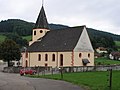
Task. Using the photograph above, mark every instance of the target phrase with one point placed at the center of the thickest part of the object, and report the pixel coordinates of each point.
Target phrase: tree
(0, 52)
(17, 39)
(9, 51)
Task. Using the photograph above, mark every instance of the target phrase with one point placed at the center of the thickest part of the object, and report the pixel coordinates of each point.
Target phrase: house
(97, 55)
(114, 55)
(101, 50)
(58, 48)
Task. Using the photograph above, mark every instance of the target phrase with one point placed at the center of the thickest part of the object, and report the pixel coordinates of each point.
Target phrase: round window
(41, 31)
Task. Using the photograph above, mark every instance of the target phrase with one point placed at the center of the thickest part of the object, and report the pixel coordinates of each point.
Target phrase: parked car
(27, 71)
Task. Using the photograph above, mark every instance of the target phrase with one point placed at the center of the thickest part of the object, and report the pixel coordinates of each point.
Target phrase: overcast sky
(98, 14)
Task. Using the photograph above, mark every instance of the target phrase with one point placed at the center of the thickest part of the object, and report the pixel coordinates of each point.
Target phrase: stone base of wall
(64, 69)
(11, 69)
(91, 68)
(17, 69)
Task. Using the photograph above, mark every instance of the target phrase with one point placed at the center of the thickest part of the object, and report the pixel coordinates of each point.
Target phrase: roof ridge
(71, 27)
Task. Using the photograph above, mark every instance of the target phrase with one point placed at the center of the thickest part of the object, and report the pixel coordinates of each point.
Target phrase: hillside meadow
(117, 43)
(2, 37)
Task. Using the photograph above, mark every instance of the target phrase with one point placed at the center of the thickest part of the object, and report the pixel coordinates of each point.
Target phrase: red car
(27, 71)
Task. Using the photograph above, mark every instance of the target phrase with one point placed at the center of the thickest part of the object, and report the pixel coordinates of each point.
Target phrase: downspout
(72, 62)
(22, 59)
(57, 60)
(29, 59)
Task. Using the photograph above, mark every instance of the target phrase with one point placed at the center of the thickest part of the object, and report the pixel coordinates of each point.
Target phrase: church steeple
(41, 27)
(41, 22)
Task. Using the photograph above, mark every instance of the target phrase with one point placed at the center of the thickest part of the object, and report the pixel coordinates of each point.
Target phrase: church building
(58, 48)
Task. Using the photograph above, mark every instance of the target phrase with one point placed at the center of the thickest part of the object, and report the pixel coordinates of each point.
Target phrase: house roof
(58, 40)
(102, 49)
(115, 54)
(41, 20)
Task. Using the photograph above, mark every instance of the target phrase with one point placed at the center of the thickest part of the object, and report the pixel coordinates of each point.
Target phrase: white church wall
(84, 44)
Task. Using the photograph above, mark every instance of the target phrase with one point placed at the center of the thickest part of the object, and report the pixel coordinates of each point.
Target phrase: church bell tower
(41, 26)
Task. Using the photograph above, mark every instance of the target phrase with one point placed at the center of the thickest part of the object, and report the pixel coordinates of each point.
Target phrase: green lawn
(28, 38)
(106, 61)
(89, 80)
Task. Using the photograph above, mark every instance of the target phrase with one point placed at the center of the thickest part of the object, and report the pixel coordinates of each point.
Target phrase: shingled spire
(41, 20)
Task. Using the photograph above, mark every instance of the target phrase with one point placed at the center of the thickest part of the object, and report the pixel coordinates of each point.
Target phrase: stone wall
(90, 68)
(64, 69)
(17, 69)
(11, 69)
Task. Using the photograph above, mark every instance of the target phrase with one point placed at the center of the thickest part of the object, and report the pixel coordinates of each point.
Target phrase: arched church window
(46, 57)
(61, 59)
(39, 57)
(34, 32)
(89, 55)
(80, 55)
(53, 57)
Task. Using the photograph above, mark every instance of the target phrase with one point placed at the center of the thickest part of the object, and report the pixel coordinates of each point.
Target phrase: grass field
(117, 43)
(89, 80)
(106, 61)
(2, 38)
